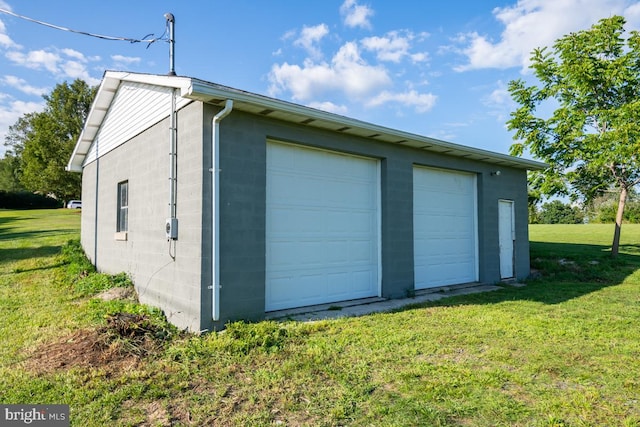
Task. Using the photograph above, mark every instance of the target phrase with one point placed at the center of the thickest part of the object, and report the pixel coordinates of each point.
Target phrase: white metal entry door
(444, 227)
(322, 227)
(506, 237)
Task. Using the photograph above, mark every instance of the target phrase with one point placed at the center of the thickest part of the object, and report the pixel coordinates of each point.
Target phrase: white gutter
(215, 202)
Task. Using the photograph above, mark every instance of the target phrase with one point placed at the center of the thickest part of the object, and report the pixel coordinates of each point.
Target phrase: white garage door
(444, 227)
(322, 227)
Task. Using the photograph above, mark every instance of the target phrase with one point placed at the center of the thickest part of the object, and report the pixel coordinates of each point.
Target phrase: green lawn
(562, 351)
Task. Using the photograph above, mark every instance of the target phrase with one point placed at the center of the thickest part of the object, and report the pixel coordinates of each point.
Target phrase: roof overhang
(282, 110)
(106, 92)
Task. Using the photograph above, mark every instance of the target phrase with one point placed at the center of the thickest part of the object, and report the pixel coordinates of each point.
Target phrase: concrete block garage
(224, 205)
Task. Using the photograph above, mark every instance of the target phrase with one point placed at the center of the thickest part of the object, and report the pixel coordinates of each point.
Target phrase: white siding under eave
(135, 107)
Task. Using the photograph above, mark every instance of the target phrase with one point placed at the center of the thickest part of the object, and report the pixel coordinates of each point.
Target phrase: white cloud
(36, 59)
(422, 102)
(499, 102)
(54, 63)
(71, 53)
(420, 57)
(11, 112)
(329, 106)
(21, 85)
(499, 96)
(632, 14)
(393, 47)
(348, 76)
(356, 15)
(347, 73)
(443, 135)
(5, 40)
(310, 36)
(127, 60)
(536, 23)
(76, 70)
(390, 48)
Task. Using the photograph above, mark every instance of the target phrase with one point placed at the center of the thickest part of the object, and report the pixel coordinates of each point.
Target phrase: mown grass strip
(561, 351)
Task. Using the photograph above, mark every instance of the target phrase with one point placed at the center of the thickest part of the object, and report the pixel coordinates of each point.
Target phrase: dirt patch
(117, 347)
(86, 348)
(156, 413)
(118, 293)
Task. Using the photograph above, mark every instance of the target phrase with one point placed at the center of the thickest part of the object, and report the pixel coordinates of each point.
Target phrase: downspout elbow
(228, 107)
(215, 202)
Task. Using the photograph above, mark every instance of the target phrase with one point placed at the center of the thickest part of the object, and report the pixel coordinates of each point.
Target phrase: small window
(123, 206)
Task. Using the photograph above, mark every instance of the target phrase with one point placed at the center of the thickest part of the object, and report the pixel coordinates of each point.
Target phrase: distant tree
(556, 212)
(10, 173)
(533, 200)
(603, 209)
(44, 141)
(11, 164)
(18, 134)
(592, 139)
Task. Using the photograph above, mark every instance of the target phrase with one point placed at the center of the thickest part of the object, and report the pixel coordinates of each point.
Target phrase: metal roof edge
(200, 88)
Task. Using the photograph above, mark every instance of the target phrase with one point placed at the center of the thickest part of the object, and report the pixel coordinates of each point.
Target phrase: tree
(534, 198)
(44, 141)
(11, 164)
(591, 141)
(10, 174)
(603, 208)
(556, 212)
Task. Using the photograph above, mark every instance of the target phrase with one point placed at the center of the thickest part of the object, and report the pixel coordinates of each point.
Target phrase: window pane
(124, 197)
(124, 219)
(123, 207)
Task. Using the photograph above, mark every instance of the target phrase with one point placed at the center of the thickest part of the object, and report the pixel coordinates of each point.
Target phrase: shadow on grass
(28, 270)
(564, 271)
(7, 235)
(18, 254)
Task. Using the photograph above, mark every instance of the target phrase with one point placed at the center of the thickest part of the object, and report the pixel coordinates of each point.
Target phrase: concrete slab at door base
(366, 306)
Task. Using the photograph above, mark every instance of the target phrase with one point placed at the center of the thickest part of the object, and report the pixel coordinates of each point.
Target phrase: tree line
(602, 210)
(40, 144)
(590, 141)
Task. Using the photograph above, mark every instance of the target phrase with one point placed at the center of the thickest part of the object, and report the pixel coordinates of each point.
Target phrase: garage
(444, 227)
(322, 227)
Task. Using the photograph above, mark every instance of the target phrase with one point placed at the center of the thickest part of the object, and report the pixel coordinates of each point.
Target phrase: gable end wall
(174, 285)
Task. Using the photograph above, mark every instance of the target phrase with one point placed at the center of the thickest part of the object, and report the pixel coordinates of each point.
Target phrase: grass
(562, 351)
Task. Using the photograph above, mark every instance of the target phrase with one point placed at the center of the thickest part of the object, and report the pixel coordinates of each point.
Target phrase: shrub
(26, 200)
(606, 212)
(556, 212)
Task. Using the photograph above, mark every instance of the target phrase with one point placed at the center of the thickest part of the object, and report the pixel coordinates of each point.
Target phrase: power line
(145, 39)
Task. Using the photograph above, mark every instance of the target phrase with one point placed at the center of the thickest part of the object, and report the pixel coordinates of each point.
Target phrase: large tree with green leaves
(44, 141)
(589, 82)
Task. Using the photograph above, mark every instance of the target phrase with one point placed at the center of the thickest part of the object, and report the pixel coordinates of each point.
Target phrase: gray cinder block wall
(181, 287)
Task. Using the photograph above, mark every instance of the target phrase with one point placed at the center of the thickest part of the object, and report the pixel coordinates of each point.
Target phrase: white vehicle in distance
(74, 204)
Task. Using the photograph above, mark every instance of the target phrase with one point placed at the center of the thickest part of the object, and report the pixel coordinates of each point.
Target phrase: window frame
(122, 214)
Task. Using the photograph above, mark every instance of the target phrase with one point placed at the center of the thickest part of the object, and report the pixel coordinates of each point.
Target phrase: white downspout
(215, 212)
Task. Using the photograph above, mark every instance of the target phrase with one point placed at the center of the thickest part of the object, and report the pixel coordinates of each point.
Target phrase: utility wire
(145, 39)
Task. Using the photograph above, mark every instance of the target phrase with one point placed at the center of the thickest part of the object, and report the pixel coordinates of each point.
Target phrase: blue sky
(435, 68)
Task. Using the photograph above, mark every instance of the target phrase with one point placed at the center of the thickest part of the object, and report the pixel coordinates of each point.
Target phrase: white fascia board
(106, 92)
(200, 89)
